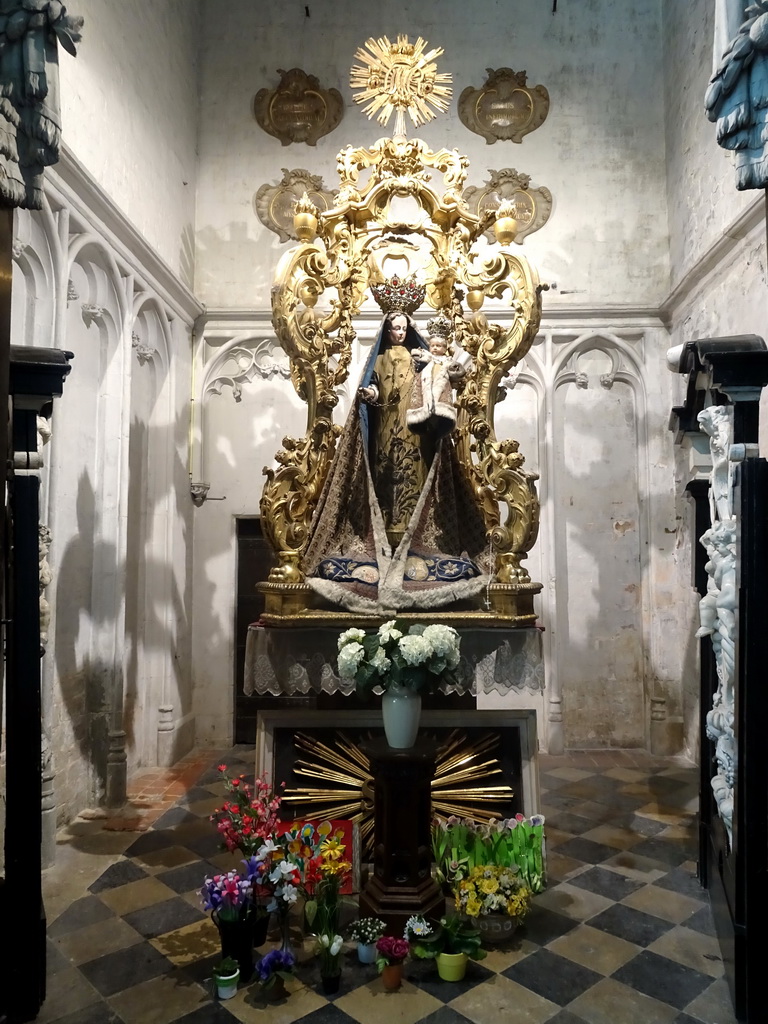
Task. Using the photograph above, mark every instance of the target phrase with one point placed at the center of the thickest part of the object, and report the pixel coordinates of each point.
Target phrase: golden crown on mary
(399, 294)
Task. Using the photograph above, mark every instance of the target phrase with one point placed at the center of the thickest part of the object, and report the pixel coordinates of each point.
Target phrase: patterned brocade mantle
(299, 661)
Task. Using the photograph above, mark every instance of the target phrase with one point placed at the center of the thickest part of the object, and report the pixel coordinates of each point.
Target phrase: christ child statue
(432, 410)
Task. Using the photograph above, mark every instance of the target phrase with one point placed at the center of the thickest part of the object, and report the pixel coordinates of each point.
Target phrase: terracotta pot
(392, 977)
(452, 966)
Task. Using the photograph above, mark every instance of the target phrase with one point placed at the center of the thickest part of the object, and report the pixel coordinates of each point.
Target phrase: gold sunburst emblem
(400, 77)
(346, 791)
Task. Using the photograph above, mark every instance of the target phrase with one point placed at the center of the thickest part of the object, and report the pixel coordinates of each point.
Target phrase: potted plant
(390, 955)
(226, 975)
(274, 969)
(404, 662)
(365, 933)
(229, 897)
(325, 874)
(450, 943)
(328, 948)
(460, 844)
(495, 898)
(245, 819)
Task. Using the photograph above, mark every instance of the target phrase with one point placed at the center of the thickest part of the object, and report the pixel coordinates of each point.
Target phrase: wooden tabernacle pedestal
(401, 882)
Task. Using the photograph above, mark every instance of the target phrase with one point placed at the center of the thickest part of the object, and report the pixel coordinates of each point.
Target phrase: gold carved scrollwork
(320, 287)
(531, 205)
(274, 204)
(290, 494)
(496, 466)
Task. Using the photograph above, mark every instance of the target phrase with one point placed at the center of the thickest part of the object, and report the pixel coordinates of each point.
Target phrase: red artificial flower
(395, 950)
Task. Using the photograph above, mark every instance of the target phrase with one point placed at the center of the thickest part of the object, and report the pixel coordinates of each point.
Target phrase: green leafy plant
(459, 845)
(226, 967)
(417, 658)
(452, 935)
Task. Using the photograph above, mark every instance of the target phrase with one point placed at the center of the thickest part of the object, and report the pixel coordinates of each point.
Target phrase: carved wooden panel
(298, 109)
(504, 107)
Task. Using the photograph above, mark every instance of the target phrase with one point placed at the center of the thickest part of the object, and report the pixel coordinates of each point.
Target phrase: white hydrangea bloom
(351, 636)
(445, 641)
(388, 632)
(380, 661)
(349, 660)
(415, 649)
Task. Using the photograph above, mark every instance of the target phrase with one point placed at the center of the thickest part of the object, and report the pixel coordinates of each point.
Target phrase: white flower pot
(226, 987)
(401, 710)
(366, 952)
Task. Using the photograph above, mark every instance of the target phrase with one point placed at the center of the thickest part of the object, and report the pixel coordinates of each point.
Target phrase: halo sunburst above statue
(400, 76)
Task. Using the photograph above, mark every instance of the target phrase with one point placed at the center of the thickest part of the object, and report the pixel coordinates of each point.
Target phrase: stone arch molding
(622, 358)
(82, 267)
(229, 356)
(241, 360)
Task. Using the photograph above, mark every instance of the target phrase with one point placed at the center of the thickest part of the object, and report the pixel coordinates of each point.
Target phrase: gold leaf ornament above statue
(400, 76)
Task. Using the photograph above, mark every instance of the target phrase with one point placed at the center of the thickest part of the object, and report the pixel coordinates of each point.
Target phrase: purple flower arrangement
(277, 964)
(229, 895)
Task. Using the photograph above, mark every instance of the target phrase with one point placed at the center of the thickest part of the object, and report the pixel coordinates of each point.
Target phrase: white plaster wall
(701, 194)
(717, 271)
(601, 150)
(129, 104)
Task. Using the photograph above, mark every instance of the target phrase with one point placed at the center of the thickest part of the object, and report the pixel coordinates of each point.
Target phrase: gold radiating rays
(400, 77)
(344, 787)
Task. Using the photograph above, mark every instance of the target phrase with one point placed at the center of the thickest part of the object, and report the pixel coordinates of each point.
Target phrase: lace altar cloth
(299, 661)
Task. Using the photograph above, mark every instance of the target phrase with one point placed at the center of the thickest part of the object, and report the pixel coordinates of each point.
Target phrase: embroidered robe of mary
(396, 526)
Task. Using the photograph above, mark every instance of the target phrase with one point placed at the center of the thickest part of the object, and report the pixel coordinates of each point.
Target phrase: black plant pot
(237, 941)
(330, 983)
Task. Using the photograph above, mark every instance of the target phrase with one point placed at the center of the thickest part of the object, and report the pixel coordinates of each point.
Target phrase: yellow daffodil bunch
(491, 889)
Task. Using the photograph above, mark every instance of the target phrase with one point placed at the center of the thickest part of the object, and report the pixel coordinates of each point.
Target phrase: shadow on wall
(234, 259)
(112, 675)
(87, 682)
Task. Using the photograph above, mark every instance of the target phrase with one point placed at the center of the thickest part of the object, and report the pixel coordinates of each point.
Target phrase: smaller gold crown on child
(399, 294)
(440, 326)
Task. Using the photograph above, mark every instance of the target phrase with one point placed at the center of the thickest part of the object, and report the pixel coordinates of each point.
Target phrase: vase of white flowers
(365, 932)
(403, 662)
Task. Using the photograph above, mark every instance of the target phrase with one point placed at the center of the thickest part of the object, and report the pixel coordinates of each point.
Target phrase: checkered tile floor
(623, 934)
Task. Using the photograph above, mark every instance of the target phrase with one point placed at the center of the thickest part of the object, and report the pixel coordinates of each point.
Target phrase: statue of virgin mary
(396, 526)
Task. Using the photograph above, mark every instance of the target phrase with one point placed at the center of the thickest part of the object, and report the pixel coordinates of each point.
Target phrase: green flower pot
(452, 966)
